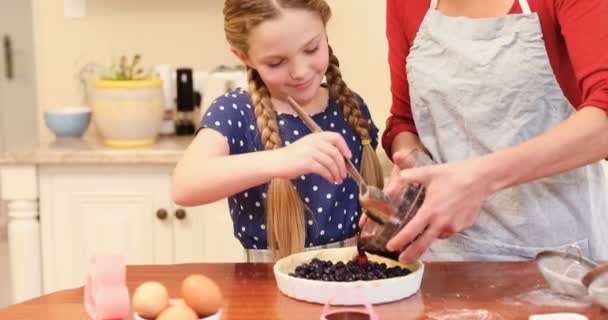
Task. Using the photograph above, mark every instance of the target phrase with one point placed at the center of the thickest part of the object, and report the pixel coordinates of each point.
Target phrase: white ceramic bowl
(127, 113)
(215, 316)
(374, 291)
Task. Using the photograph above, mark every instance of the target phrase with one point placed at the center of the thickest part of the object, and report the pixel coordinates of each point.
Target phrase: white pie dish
(372, 291)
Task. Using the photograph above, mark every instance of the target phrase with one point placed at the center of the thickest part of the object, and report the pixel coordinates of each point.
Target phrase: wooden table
(251, 293)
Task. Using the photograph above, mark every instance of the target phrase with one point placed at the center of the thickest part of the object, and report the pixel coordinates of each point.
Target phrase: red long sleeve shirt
(576, 38)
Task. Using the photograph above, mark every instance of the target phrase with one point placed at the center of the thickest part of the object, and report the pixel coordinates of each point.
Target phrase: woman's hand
(321, 153)
(394, 188)
(454, 194)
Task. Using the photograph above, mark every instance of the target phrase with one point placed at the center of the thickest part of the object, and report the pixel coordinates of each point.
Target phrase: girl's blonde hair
(285, 212)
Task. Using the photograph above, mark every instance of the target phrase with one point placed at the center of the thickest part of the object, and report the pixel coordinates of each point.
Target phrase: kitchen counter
(91, 150)
(498, 290)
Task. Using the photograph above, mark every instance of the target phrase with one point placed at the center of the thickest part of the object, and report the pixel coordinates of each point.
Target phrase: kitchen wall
(181, 33)
(357, 35)
(188, 33)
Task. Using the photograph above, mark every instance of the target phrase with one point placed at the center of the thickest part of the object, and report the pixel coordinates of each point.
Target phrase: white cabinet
(127, 210)
(206, 235)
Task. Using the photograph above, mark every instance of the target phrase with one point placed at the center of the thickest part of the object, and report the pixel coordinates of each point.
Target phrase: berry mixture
(344, 272)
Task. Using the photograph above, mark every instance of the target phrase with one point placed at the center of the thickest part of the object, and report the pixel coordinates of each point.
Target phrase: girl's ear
(242, 56)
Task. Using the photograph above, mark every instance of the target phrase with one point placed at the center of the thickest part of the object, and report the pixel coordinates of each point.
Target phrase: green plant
(126, 70)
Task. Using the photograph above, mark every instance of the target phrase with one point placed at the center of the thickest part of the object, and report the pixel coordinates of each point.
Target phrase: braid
(285, 229)
(265, 115)
(370, 165)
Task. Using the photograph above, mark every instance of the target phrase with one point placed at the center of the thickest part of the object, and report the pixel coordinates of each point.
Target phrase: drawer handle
(161, 214)
(7, 48)
(180, 214)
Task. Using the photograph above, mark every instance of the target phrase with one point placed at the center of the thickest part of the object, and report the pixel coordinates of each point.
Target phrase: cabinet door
(86, 211)
(206, 235)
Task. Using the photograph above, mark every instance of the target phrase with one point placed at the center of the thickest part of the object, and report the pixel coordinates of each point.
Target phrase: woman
(514, 109)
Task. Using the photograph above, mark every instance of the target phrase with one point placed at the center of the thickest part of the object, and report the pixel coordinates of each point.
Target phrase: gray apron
(481, 85)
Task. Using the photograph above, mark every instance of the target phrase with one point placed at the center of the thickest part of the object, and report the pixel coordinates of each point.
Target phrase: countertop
(496, 290)
(91, 150)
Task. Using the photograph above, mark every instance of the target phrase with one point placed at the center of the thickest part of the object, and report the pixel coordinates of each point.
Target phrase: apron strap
(525, 7)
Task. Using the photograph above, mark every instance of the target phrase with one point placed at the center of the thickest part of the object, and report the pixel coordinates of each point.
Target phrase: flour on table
(547, 297)
(463, 314)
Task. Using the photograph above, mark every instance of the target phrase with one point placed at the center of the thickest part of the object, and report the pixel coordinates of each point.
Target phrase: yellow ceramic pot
(127, 113)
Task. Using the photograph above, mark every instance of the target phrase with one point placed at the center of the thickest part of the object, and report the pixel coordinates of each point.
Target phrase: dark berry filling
(348, 315)
(344, 272)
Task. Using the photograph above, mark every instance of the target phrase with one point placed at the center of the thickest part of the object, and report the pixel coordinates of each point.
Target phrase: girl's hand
(454, 194)
(321, 153)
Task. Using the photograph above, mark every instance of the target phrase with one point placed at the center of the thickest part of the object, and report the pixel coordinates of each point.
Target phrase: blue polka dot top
(332, 211)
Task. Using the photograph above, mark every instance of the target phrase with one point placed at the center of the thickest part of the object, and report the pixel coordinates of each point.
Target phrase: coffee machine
(187, 100)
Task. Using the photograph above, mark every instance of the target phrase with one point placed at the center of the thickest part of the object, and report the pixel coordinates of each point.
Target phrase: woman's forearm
(580, 140)
(405, 142)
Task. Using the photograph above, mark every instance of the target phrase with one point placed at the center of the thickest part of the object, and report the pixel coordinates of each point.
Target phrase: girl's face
(291, 54)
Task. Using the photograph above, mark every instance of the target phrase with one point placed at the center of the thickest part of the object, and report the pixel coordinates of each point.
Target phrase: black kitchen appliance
(187, 101)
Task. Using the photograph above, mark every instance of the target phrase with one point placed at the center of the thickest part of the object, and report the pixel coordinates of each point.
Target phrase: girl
(511, 98)
(287, 188)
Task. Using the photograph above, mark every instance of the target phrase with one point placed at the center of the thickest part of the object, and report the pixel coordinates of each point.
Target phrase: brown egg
(178, 311)
(150, 299)
(201, 294)
(178, 302)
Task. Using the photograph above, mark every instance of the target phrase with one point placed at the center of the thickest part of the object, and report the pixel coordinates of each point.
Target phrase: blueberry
(354, 270)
